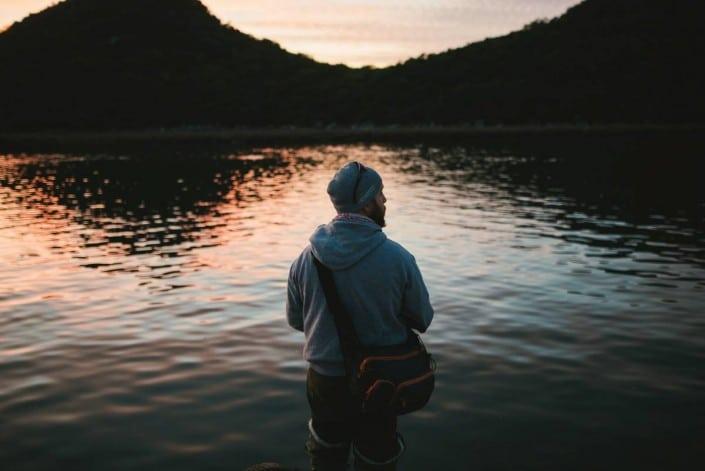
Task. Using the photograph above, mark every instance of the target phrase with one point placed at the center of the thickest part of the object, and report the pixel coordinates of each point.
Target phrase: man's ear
(368, 208)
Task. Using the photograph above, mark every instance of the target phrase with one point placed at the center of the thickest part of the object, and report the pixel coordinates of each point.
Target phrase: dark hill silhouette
(602, 61)
(105, 64)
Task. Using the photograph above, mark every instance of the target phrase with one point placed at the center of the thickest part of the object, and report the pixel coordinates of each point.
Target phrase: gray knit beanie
(353, 186)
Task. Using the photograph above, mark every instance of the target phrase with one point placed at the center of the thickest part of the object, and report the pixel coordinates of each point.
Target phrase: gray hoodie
(378, 282)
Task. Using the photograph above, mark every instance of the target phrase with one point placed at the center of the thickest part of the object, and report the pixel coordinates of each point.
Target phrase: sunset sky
(361, 32)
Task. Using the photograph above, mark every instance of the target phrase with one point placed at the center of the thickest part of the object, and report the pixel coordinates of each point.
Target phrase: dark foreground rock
(270, 467)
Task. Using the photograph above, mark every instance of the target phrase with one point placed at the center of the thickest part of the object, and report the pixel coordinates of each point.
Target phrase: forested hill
(602, 61)
(105, 64)
(137, 63)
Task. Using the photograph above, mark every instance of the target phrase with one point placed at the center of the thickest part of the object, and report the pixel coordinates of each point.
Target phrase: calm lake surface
(142, 303)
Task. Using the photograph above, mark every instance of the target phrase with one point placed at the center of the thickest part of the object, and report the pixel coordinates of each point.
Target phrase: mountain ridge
(140, 63)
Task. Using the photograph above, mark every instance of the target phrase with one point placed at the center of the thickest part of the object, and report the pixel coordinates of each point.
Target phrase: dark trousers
(337, 422)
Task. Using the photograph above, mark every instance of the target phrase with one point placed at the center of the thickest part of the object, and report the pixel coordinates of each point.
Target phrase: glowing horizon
(360, 32)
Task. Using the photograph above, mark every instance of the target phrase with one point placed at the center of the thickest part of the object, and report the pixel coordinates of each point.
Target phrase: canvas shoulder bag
(396, 378)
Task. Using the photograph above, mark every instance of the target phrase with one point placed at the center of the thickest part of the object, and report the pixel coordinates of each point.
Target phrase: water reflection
(144, 291)
(163, 204)
(621, 200)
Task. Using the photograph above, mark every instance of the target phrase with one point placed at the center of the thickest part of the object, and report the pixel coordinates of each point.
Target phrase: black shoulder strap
(349, 342)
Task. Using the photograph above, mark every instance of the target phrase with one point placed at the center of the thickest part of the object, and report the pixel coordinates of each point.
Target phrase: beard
(377, 215)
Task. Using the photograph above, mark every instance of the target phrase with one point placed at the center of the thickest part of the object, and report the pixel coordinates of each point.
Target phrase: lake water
(142, 303)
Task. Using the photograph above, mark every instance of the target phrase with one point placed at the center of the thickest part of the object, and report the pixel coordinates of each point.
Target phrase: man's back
(378, 282)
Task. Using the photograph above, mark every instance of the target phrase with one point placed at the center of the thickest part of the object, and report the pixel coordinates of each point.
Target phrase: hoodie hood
(345, 240)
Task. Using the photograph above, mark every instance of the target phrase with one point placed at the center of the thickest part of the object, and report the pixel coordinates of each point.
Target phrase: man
(381, 288)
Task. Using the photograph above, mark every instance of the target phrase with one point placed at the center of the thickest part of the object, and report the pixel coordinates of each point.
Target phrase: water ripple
(142, 296)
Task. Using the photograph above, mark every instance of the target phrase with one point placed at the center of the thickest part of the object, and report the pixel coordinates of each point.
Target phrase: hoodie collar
(345, 240)
(354, 217)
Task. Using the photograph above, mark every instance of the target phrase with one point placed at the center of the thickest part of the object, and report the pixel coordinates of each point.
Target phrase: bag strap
(349, 341)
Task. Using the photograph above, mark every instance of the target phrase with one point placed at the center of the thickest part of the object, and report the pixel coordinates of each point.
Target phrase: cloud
(338, 30)
(15, 10)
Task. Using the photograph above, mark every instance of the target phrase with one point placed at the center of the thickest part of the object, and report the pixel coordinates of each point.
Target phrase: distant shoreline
(331, 134)
(340, 131)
